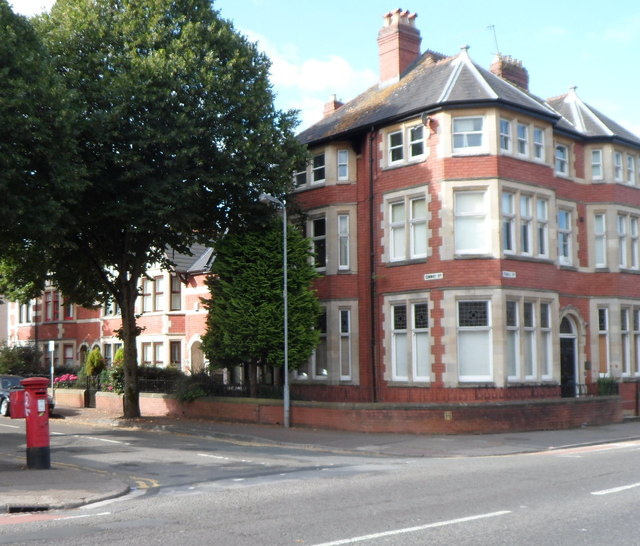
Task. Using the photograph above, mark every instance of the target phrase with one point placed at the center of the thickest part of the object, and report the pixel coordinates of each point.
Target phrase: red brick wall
(409, 419)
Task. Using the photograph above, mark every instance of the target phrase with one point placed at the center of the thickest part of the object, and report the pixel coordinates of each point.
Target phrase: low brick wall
(69, 398)
(511, 416)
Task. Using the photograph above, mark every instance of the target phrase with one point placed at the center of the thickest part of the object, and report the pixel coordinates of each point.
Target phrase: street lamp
(266, 198)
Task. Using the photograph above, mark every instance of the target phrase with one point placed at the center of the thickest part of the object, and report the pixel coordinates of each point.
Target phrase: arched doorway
(568, 358)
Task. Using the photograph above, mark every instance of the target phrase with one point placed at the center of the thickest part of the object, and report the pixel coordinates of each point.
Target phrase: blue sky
(320, 48)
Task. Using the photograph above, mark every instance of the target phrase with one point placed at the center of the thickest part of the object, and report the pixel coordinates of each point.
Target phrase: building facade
(475, 242)
(172, 319)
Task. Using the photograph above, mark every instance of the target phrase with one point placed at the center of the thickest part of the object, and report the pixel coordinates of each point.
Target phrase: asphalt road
(191, 491)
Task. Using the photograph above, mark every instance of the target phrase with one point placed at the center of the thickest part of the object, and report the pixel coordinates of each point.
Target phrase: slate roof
(199, 262)
(434, 82)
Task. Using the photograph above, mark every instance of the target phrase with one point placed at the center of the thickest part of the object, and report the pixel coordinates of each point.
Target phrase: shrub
(65, 381)
(95, 363)
(20, 360)
(112, 380)
(118, 358)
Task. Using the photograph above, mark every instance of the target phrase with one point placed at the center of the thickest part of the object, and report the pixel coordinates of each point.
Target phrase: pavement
(63, 486)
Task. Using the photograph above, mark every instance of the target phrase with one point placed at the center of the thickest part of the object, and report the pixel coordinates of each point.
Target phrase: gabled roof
(199, 261)
(588, 121)
(434, 82)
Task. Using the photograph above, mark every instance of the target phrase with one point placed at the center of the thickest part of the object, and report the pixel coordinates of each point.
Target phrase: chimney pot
(398, 44)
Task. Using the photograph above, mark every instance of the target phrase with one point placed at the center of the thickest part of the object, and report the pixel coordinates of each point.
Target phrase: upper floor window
(343, 164)
(406, 144)
(471, 229)
(617, 166)
(538, 143)
(24, 313)
(562, 160)
(523, 139)
(300, 178)
(600, 233)
(622, 240)
(564, 237)
(530, 221)
(345, 344)
(153, 294)
(467, 134)
(319, 240)
(343, 241)
(318, 169)
(505, 135)
(408, 229)
(176, 293)
(631, 170)
(596, 165)
(635, 245)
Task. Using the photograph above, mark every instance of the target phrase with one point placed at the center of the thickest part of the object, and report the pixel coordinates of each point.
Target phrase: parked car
(10, 383)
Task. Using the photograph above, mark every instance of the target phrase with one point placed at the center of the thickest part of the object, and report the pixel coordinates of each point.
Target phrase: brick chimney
(510, 69)
(398, 44)
(331, 106)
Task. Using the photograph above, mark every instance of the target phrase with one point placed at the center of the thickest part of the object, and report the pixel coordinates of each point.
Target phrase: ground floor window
(474, 341)
(410, 346)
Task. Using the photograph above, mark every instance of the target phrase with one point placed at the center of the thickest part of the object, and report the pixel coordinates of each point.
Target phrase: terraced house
(476, 242)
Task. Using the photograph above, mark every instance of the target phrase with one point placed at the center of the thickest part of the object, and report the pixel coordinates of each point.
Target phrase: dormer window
(467, 134)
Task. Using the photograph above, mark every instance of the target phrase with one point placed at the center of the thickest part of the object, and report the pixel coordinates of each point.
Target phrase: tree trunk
(252, 378)
(129, 337)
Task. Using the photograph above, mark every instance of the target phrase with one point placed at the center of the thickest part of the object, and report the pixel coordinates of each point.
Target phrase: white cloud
(307, 84)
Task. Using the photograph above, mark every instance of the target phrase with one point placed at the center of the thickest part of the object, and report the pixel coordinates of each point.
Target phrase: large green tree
(177, 133)
(245, 310)
(39, 175)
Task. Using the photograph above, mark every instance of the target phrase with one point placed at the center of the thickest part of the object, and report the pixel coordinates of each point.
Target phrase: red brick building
(171, 315)
(476, 242)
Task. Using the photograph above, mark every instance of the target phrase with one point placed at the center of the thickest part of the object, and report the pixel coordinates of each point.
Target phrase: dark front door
(568, 366)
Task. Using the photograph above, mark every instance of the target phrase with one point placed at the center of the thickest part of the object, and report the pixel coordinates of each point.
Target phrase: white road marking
(615, 489)
(9, 426)
(374, 536)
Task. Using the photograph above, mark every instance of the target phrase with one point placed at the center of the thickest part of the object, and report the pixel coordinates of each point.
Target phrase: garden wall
(511, 416)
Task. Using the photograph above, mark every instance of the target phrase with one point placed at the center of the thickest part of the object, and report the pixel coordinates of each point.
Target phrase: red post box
(36, 412)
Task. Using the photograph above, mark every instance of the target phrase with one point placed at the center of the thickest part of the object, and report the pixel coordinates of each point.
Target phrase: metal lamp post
(266, 198)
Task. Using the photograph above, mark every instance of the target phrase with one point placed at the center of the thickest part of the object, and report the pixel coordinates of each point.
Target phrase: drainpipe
(372, 263)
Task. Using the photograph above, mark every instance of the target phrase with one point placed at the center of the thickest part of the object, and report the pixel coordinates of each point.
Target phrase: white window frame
(505, 135)
(565, 237)
(316, 239)
(621, 228)
(395, 148)
(542, 227)
(478, 218)
(464, 140)
(603, 336)
(617, 167)
(635, 243)
(625, 342)
(523, 139)
(411, 345)
(318, 169)
(513, 341)
(471, 332)
(600, 239)
(538, 143)
(343, 242)
(631, 170)
(546, 347)
(403, 233)
(508, 222)
(562, 159)
(342, 164)
(526, 225)
(597, 169)
(636, 341)
(415, 142)
(344, 329)
(530, 341)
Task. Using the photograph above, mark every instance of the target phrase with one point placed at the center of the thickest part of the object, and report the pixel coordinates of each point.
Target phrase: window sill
(406, 262)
